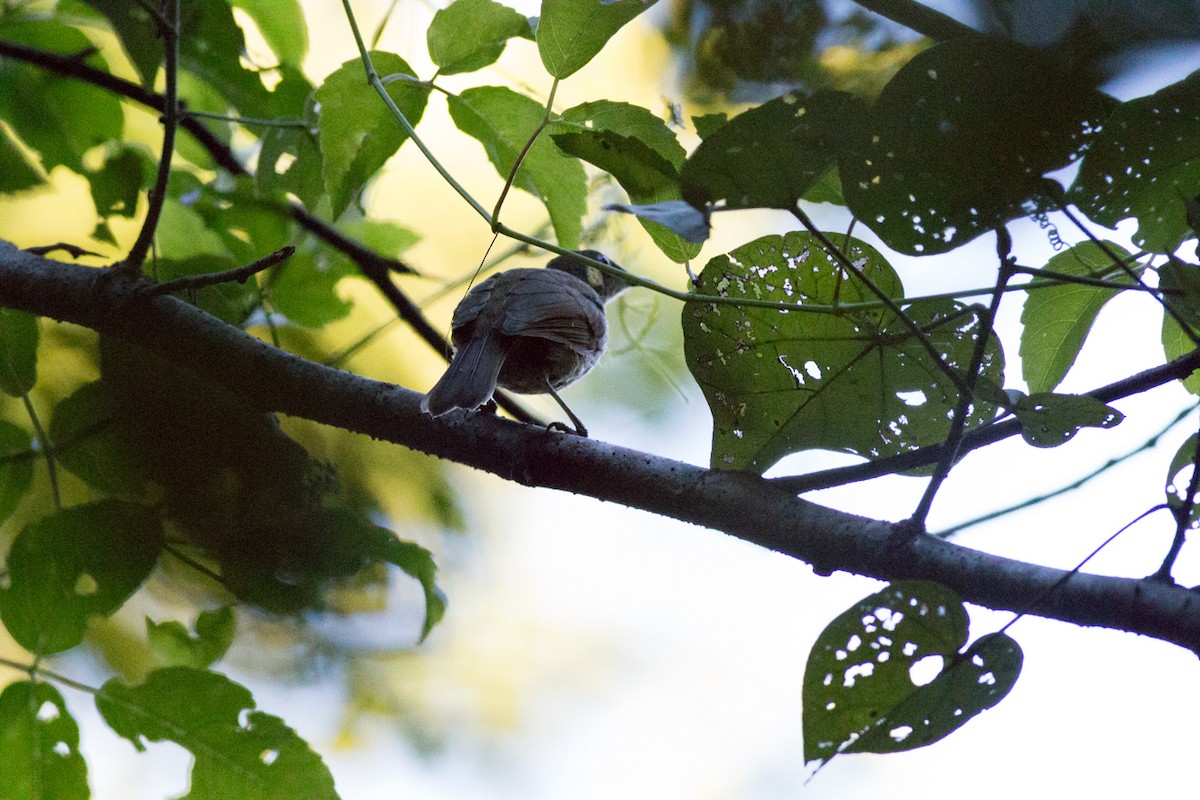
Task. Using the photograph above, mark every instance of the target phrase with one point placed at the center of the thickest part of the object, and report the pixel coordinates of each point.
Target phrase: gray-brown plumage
(530, 331)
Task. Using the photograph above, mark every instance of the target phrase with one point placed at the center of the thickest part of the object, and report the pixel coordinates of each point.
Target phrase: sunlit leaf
(282, 25)
(1048, 420)
(18, 351)
(470, 34)
(212, 48)
(959, 140)
(856, 381)
(1181, 284)
(571, 32)
(859, 669)
(138, 33)
(305, 289)
(174, 646)
(358, 132)
(16, 467)
(1056, 319)
(772, 155)
(78, 562)
(971, 683)
(39, 746)
(240, 753)
(1179, 475)
(1146, 164)
(502, 121)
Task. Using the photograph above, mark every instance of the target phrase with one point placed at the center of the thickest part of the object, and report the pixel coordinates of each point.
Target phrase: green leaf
(39, 746)
(470, 34)
(174, 646)
(827, 189)
(18, 351)
(640, 152)
(240, 753)
(358, 132)
(770, 156)
(1146, 164)
(16, 173)
(305, 289)
(282, 25)
(859, 668)
(116, 185)
(972, 683)
(1181, 283)
(211, 47)
(708, 124)
(290, 157)
(1056, 319)
(59, 118)
(137, 33)
(16, 467)
(416, 562)
(852, 381)
(386, 238)
(502, 121)
(571, 32)
(1179, 474)
(683, 219)
(78, 562)
(1048, 420)
(959, 140)
(92, 440)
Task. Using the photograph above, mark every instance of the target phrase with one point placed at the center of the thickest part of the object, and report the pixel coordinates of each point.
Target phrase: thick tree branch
(741, 505)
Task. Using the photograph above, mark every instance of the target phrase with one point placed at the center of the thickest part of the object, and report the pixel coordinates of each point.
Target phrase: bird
(531, 330)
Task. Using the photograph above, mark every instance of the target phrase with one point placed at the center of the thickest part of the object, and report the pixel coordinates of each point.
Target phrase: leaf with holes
(1181, 284)
(771, 156)
(852, 380)
(1048, 420)
(1146, 164)
(39, 745)
(959, 140)
(358, 132)
(571, 32)
(174, 646)
(78, 562)
(862, 664)
(470, 34)
(640, 152)
(240, 753)
(1056, 319)
(1179, 475)
(971, 683)
(502, 121)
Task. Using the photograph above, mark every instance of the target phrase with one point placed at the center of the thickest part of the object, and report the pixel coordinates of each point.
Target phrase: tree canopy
(162, 370)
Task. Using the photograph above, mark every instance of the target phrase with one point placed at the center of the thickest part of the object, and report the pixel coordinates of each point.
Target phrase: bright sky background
(595, 652)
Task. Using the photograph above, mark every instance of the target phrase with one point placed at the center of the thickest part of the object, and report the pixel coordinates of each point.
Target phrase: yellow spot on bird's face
(595, 277)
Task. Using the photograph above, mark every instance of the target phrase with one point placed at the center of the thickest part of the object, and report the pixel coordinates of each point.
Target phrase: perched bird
(531, 331)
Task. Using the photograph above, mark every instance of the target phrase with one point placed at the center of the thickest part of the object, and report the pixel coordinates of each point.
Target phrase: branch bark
(741, 505)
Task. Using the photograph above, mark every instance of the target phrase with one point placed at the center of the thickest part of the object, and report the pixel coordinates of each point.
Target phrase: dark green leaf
(282, 25)
(93, 440)
(75, 563)
(211, 47)
(770, 156)
(778, 382)
(502, 121)
(859, 668)
(1146, 164)
(640, 151)
(358, 132)
(470, 34)
(16, 173)
(827, 189)
(174, 646)
(138, 34)
(1181, 283)
(39, 746)
(1048, 420)
(417, 562)
(708, 124)
(59, 118)
(571, 32)
(959, 140)
(1179, 475)
(116, 185)
(972, 683)
(18, 351)
(1056, 319)
(16, 467)
(240, 753)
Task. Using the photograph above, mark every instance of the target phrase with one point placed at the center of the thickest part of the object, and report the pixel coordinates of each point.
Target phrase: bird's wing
(553, 305)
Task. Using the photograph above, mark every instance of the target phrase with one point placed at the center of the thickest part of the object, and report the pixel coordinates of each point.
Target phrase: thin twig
(1183, 519)
(47, 450)
(241, 275)
(170, 122)
(533, 137)
(270, 123)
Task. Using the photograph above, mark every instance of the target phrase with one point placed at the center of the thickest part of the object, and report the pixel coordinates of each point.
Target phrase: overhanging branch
(738, 504)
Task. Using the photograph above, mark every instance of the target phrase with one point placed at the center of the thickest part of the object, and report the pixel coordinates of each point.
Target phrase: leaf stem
(1183, 520)
(46, 448)
(35, 670)
(512, 174)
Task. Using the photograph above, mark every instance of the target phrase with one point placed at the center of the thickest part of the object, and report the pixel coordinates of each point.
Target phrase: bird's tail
(470, 379)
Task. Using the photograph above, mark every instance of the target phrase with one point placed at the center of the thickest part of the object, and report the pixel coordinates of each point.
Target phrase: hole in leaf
(268, 756)
(901, 732)
(924, 670)
(62, 748)
(48, 712)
